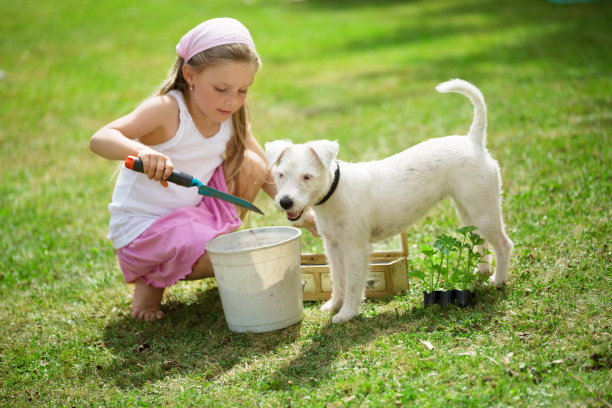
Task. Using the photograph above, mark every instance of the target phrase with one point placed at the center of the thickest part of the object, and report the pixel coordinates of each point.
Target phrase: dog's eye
(279, 175)
(307, 177)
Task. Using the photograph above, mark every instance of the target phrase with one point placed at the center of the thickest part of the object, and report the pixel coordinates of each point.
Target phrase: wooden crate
(387, 274)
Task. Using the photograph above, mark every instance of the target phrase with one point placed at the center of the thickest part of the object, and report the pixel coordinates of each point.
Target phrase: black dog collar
(333, 186)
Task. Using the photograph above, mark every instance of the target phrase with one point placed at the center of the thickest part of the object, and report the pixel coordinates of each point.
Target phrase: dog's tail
(478, 130)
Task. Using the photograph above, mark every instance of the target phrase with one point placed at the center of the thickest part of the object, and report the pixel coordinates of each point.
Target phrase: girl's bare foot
(147, 302)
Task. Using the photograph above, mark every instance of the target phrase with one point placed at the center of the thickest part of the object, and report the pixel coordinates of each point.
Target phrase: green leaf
(476, 239)
(446, 244)
(417, 273)
(465, 230)
(427, 250)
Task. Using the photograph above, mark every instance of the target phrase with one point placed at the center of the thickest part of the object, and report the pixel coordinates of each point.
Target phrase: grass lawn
(360, 72)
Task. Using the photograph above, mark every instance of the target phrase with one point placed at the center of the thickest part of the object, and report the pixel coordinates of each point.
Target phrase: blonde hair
(236, 147)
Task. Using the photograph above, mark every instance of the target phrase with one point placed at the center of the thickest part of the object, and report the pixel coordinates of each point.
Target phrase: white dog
(356, 204)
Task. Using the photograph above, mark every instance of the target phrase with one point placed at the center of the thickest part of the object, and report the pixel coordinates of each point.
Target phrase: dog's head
(303, 173)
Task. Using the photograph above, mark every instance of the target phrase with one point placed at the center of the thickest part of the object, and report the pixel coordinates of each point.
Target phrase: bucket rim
(297, 234)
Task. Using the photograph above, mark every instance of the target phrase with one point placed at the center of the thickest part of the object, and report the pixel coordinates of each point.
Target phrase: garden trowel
(185, 180)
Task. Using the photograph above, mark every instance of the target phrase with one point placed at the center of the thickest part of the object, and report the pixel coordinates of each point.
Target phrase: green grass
(362, 73)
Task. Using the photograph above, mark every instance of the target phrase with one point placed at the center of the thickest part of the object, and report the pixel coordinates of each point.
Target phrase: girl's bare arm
(153, 122)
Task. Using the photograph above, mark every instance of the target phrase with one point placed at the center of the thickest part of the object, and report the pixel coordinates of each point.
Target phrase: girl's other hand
(156, 166)
(310, 223)
(307, 221)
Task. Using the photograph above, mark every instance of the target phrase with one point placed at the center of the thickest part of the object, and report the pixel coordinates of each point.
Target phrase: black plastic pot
(464, 297)
(445, 297)
(461, 298)
(429, 298)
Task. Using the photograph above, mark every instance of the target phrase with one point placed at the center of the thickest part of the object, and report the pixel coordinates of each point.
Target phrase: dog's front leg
(356, 272)
(338, 276)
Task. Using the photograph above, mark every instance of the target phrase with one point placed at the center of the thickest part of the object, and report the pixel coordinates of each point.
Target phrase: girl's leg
(147, 302)
(201, 269)
(253, 177)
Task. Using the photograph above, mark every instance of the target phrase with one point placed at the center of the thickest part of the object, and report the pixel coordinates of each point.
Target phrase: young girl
(197, 124)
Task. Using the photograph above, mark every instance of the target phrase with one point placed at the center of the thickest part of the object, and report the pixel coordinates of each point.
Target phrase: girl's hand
(307, 221)
(156, 166)
(310, 223)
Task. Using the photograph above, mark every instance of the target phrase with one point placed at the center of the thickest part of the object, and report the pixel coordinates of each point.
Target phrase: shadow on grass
(568, 39)
(429, 22)
(347, 4)
(534, 39)
(193, 338)
(314, 363)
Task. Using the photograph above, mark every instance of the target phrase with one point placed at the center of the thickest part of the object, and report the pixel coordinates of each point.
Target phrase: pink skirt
(166, 252)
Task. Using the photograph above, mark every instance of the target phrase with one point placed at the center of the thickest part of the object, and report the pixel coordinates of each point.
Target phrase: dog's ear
(274, 151)
(325, 150)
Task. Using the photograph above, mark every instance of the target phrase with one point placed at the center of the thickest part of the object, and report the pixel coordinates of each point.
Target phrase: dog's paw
(483, 268)
(343, 317)
(331, 305)
(498, 281)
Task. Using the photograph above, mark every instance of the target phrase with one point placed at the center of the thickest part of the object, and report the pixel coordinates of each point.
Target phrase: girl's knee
(255, 164)
(201, 269)
(255, 174)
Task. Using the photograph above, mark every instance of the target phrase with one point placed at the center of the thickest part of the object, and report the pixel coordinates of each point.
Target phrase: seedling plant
(450, 263)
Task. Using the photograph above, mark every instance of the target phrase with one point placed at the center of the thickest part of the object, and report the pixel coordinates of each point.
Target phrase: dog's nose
(286, 203)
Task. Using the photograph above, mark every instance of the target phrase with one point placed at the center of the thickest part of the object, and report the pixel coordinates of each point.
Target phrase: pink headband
(211, 33)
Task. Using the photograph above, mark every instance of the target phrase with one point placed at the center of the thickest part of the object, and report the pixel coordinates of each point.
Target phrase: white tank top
(137, 201)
